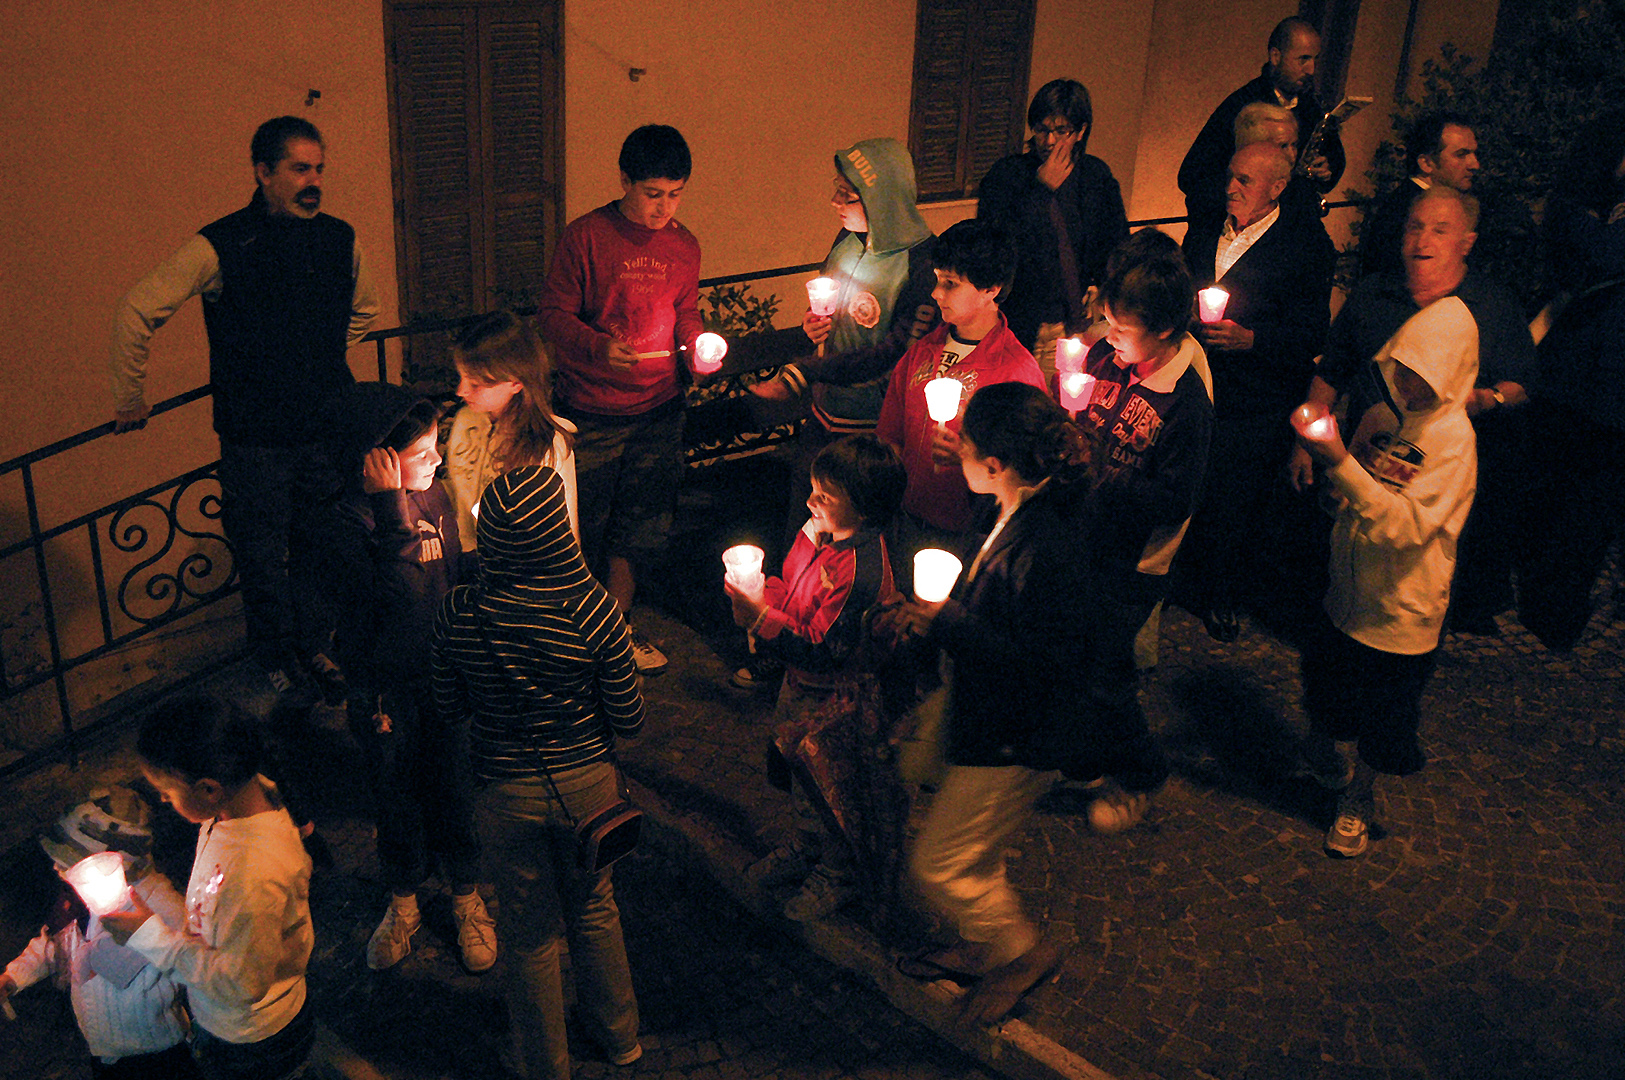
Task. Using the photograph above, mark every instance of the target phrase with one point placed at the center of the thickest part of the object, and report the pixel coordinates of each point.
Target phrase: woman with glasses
(1064, 208)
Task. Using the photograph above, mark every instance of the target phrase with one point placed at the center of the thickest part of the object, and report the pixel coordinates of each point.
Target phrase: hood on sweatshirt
(883, 173)
(354, 420)
(528, 554)
(1436, 344)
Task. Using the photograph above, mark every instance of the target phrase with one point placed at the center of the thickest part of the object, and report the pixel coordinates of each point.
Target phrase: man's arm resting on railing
(192, 270)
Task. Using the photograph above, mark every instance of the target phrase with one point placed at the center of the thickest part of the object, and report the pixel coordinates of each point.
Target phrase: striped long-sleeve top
(536, 656)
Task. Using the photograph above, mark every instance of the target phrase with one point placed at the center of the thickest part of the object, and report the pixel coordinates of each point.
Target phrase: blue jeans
(531, 847)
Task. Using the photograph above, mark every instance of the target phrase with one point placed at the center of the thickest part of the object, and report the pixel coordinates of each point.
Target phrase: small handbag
(611, 833)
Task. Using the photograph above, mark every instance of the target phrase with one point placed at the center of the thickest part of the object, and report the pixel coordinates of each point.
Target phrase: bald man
(1277, 269)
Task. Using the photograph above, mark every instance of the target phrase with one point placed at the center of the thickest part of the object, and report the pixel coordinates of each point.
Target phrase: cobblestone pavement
(1480, 936)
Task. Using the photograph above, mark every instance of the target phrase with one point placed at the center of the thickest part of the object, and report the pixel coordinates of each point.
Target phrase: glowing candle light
(99, 881)
(1210, 303)
(821, 296)
(1077, 391)
(744, 569)
(475, 510)
(709, 349)
(1069, 354)
(1313, 421)
(935, 572)
(942, 399)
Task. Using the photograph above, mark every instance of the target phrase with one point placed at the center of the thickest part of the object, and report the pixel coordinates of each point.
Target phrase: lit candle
(1313, 421)
(99, 881)
(743, 564)
(942, 399)
(475, 510)
(1210, 303)
(709, 349)
(935, 572)
(821, 296)
(1077, 391)
(1069, 354)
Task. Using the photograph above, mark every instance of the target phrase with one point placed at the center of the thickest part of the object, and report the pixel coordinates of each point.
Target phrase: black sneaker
(329, 679)
(759, 673)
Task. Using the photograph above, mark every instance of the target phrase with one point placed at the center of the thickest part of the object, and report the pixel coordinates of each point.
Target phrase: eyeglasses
(1060, 132)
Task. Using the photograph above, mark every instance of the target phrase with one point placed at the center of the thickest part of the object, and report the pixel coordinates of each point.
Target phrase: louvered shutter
(476, 107)
(971, 65)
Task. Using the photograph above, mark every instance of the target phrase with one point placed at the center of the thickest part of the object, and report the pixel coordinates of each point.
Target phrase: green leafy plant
(1525, 103)
(733, 312)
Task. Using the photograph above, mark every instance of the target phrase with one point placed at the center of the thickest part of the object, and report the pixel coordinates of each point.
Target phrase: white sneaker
(476, 932)
(392, 941)
(1349, 835)
(650, 660)
(627, 1057)
(1118, 811)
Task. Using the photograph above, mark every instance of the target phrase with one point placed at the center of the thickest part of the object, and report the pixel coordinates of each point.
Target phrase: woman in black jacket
(1016, 629)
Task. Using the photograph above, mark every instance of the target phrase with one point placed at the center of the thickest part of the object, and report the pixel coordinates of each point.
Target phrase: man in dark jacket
(1277, 269)
(284, 297)
(1288, 80)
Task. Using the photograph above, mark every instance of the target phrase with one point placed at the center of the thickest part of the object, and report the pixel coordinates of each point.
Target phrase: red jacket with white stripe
(814, 622)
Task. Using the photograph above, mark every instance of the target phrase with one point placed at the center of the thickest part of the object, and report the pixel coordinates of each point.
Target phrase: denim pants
(530, 847)
(263, 491)
(958, 861)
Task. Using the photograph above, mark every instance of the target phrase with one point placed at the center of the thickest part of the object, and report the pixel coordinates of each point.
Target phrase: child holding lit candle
(813, 619)
(128, 1011)
(1152, 415)
(1017, 628)
(246, 937)
(620, 306)
(974, 345)
(1405, 483)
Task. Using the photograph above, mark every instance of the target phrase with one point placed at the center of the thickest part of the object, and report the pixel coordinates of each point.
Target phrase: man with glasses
(1288, 80)
(1064, 208)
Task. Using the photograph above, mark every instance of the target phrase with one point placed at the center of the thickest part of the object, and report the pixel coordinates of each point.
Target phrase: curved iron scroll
(164, 587)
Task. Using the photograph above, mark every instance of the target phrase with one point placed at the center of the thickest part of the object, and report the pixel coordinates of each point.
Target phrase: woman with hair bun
(1016, 632)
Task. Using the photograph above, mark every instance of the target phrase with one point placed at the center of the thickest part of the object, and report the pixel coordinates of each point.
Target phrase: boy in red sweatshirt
(620, 306)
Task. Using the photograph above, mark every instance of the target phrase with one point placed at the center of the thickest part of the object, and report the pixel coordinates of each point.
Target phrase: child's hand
(8, 986)
(619, 354)
(816, 327)
(1317, 433)
(121, 924)
(747, 609)
(944, 446)
(381, 470)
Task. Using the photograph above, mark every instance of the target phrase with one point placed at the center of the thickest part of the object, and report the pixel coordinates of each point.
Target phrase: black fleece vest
(279, 329)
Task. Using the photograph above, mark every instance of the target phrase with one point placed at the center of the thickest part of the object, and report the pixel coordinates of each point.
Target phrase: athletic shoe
(476, 932)
(627, 1057)
(782, 866)
(329, 679)
(760, 673)
(1349, 835)
(392, 941)
(650, 660)
(1118, 811)
(821, 896)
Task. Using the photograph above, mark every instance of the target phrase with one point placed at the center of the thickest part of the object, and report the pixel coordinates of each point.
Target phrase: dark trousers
(1233, 532)
(1577, 509)
(263, 490)
(1489, 540)
(173, 1064)
(422, 790)
(1123, 747)
(272, 1058)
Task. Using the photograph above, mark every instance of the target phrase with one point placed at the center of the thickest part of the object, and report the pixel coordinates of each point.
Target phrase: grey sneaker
(781, 866)
(392, 941)
(627, 1057)
(1118, 811)
(1349, 835)
(823, 893)
(476, 932)
(650, 660)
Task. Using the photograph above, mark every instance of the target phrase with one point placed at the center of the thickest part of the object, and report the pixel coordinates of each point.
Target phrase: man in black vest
(284, 296)
(1288, 80)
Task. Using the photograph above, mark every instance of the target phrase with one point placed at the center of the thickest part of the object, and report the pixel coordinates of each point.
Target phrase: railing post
(58, 674)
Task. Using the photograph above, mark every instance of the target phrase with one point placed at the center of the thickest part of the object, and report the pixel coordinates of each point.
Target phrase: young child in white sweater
(246, 937)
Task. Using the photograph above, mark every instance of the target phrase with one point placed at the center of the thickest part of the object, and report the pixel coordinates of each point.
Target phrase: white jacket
(1406, 487)
(470, 469)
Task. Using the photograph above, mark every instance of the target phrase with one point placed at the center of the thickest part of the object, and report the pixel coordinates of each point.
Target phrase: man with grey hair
(1288, 80)
(1277, 269)
(1439, 234)
(1440, 148)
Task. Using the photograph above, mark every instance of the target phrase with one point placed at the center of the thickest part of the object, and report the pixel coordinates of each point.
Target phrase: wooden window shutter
(972, 60)
(476, 89)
